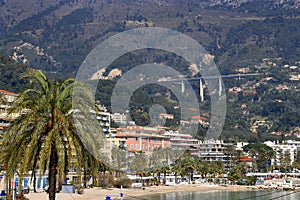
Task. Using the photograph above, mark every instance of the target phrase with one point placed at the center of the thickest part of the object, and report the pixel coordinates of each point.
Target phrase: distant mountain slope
(243, 36)
(57, 35)
(271, 4)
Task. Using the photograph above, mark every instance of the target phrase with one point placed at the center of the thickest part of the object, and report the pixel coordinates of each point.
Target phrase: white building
(215, 150)
(180, 141)
(119, 118)
(280, 149)
(293, 143)
(103, 116)
(240, 145)
(5, 119)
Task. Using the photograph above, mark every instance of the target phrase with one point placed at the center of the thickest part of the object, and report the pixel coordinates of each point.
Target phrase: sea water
(224, 195)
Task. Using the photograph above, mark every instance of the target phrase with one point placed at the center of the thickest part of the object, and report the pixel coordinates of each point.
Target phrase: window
(136, 147)
(131, 147)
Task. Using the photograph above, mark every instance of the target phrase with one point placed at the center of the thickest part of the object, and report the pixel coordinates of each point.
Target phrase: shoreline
(100, 194)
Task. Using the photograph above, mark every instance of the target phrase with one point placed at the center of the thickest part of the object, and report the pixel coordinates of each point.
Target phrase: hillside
(243, 35)
(11, 75)
(56, 36)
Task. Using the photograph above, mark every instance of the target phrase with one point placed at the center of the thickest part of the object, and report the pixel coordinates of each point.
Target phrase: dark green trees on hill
(10, 74)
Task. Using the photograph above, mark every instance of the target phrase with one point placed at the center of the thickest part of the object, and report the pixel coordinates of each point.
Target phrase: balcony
(5, 124)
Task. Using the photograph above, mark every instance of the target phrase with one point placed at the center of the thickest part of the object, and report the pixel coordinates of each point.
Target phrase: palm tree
(253, 155)
(160, 161)
(165, 169)
(45, 137)
(270, 154)
(168, 154)
(2, 98)
(139, 164)
(230, 153)
(238, 172)
(187, 164)
(285, 160)
(190, 167)
(2, 102)
(202, 168)
(177, 170)
(118, 160)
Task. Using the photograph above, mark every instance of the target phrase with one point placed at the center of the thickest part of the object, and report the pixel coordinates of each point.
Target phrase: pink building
(143, 139)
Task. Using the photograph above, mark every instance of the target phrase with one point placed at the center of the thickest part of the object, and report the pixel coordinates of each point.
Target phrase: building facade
(119, 118)
(103, 116)
(180, 141)
(142, 139)
(5, 104)
(215, 150)
(282, 149)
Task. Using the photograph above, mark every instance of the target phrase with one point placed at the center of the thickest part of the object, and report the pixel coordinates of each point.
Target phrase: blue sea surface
(224, 195)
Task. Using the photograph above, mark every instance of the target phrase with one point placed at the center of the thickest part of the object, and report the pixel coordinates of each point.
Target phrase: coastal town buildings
(200, 120)
(166, 116)
(248, 162)
(142, 139)
(104, 118)
(240, 145)
(119, 118)
(283, 151)
(215, 150)
(5, 119)
(180, 141)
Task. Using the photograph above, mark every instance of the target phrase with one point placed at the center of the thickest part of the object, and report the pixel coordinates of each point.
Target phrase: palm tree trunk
(158, 174)
(34, 181)
(84, 178)
(52, 172)
(191, 175)
(165, 177)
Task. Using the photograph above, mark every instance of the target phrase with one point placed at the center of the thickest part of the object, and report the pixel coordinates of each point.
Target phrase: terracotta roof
(245, 159)
(8, 93)
(199, 117)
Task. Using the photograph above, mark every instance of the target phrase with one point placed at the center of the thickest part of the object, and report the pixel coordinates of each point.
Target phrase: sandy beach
(100, 194)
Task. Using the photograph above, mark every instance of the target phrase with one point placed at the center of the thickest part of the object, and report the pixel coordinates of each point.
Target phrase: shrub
(106, 180)
(123, 181)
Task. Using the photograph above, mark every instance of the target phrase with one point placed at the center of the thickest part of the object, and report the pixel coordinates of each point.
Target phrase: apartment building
(143, 139)
(180, 141)
(103, 116)
(281, 149)
(5, 119)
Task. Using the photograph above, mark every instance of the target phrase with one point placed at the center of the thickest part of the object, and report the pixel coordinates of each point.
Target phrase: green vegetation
(44, 137)
(250, 42)
(242, 36)
(262, 155)
(10, 75)
(237, 37)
